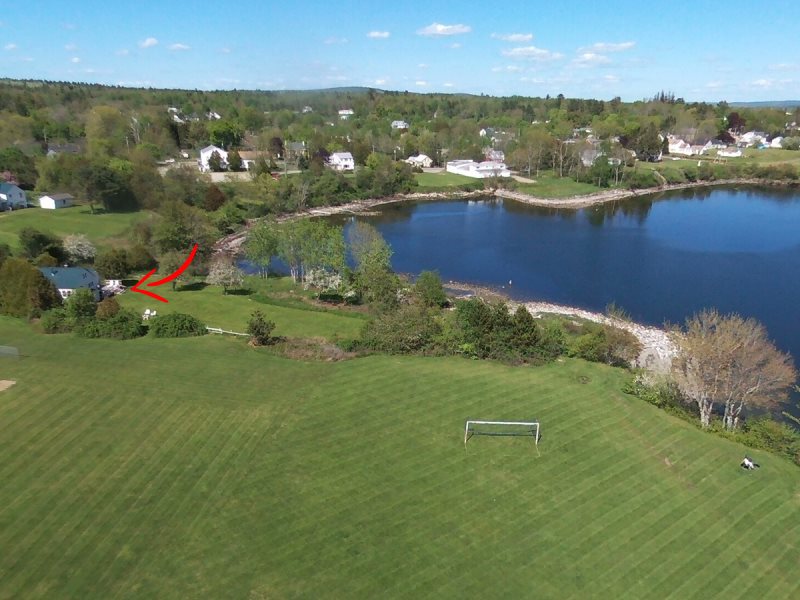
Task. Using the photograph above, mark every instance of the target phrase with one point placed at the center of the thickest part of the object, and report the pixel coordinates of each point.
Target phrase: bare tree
(729, 360)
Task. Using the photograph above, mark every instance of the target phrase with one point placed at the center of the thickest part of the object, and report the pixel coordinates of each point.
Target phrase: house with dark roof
(68, 279)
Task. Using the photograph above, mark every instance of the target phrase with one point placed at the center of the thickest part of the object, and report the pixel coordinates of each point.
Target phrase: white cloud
(513, 37)
(70, 47)
(591, 59)
(226, 50)
(438, 30)
(509, 68)
(335, 40)
(11, 46)
(180, 47)
(75, 60)
(28, 59)
(148, 43)
(532, 53)
(422, 66)
(380, 82)
(378, 35)
(608, 47)
(421, 83)
(448, 84)
(611, 78)
(122, 52)
(455, 45)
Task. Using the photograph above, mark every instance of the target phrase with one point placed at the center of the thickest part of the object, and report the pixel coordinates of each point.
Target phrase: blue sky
(701, 50)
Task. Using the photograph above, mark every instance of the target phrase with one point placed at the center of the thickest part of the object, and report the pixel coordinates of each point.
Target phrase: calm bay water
(661, 259)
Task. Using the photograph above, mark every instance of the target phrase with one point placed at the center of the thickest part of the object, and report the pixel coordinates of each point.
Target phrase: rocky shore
(658, 349)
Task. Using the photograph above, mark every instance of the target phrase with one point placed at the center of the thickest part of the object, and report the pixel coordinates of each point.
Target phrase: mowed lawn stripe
(246, 474)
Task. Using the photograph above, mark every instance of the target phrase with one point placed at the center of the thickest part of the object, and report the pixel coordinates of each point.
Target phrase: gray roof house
(68, 279)
(12, 196)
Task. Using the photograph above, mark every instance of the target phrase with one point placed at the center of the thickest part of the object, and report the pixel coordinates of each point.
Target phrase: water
(661, 259)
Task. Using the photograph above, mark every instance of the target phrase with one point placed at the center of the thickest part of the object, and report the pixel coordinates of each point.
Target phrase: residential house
(341, 161)
(481, 170)
(213, 116)
(249, 158)
(346, 113)
(54, 201)
(68, 279)
(776, 142)
(402, 125)
(206, 153)
(12, 197)
(679, 146)
(307, 109)
(422, 161)
(752, 138)
(294, 150)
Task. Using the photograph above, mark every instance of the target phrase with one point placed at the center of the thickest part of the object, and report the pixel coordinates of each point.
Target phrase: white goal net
(512, 428)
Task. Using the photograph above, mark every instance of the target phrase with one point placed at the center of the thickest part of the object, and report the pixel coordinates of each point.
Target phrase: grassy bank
(102, 229)
(204, 468)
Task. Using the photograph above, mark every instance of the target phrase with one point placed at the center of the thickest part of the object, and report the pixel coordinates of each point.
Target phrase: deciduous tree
(729, 360)
(224, 272)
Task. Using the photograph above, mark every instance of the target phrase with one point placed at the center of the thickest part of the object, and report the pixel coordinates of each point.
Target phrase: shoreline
(658, 349)
(584, 201)
(231, 244)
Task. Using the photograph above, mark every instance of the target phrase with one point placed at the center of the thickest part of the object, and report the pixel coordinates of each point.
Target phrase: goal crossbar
(534, 425)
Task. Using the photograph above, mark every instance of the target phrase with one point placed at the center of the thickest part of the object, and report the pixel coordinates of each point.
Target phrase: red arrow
(166, 279)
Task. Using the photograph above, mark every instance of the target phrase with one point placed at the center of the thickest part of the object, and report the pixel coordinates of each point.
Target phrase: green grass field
(440, 180)
(550, 186)
(203, 468)
(232, 311)
(105, 229)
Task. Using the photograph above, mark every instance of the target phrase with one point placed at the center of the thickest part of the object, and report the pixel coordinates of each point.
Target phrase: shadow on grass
(195, 286)
(239, 292)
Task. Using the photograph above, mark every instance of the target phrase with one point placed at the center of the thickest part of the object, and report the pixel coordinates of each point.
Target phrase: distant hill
(768, 104)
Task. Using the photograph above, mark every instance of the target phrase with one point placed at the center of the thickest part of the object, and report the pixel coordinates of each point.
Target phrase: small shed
(53, 201)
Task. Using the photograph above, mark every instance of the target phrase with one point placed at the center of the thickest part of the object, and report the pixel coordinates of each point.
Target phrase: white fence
(224, 331)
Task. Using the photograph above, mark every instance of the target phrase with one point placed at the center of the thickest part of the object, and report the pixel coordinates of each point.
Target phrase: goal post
(513, 428)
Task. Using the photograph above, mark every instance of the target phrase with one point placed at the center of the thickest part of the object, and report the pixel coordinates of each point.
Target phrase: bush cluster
(606, 344)
(176, 325)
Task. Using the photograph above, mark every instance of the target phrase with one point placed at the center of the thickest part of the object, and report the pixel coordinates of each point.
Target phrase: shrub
(606, 344)
(140, 258)
(125, 325)
(55, 321)
(260, 329)
(80, 306)
(674, 175)
(428, 288)
(409, 329)
(641, 178)
(107, 308)
(176, 325)
(113, 264)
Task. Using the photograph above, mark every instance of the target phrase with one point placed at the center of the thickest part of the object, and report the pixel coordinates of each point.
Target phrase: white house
(53, 201)
(307, 109)
(341, 161)
(400, 125)
(481, 170)
(206, 153)
(12, 197)
(678, 146)
(422, 160)
(346, 113)
(753, 138)
(776, 142)
(213, 115)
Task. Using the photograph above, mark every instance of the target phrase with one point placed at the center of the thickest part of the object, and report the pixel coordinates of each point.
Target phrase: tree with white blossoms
(79, 249)
(729, 360)
(224, 272)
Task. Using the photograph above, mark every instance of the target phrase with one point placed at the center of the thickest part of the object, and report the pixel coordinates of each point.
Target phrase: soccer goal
(515, 428)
